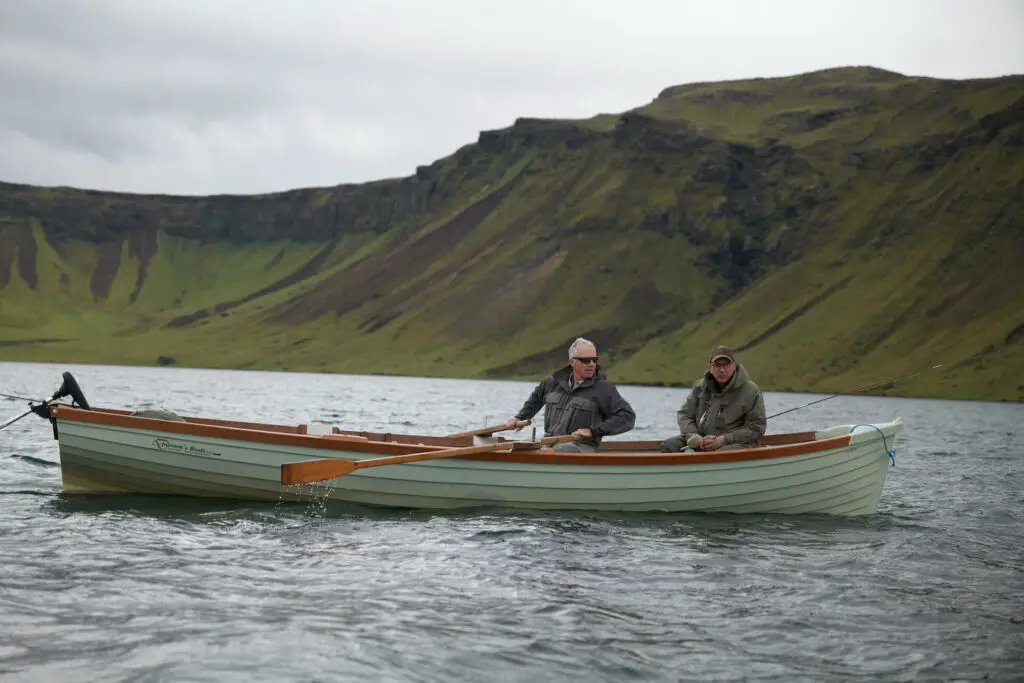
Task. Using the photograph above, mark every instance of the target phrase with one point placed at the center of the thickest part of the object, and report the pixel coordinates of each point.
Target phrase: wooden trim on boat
(550, 457)
(253, 432)
(213, 422)
(362, 442)
(424, 440)
(409, 439)
(781, 439)
(440, 441)
(769, 440)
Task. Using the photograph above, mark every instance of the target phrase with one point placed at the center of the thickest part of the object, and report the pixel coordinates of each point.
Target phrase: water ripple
(141, 588)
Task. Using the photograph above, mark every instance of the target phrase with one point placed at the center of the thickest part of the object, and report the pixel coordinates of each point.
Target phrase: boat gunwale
(798, 443)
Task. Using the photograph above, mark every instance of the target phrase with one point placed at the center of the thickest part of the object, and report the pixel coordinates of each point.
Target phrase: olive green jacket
(736, 411)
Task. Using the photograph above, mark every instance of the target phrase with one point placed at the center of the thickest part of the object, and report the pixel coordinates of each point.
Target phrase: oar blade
(309, 471)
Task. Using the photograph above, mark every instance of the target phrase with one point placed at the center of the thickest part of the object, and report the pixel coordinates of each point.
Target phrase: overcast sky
(244, 96)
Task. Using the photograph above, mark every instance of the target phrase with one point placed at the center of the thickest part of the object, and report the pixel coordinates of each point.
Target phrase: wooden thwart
(344, 437)
(487, 431)
(309, 471)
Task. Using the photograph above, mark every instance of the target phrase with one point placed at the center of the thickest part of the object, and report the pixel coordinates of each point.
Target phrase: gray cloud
(253, 96)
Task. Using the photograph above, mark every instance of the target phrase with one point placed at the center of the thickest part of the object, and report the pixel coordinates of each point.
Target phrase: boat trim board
(795, 444)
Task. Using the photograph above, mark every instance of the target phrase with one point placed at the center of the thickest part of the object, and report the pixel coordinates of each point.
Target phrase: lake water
(137, 588)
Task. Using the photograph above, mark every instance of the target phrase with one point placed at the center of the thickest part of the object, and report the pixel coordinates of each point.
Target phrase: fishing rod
(20, 398)
(892, 380)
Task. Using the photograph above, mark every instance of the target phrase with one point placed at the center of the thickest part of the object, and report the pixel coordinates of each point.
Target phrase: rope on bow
(888, 451)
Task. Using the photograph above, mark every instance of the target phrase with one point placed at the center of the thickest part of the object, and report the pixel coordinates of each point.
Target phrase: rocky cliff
(838, 227)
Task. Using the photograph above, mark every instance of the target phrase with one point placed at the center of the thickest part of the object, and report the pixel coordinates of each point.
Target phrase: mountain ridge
(827, 224)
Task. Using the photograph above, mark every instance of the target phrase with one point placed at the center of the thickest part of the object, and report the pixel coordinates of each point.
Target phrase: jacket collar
(735, 383)
(562, 376)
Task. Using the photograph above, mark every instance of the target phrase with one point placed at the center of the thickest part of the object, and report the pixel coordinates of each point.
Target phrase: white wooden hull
(844, 480)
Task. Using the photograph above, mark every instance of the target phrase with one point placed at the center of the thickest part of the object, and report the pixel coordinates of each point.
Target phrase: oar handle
(546, 441)
(487, 431)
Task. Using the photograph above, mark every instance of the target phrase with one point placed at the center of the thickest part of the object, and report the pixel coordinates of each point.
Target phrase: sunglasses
(721, 365)
(587, 359)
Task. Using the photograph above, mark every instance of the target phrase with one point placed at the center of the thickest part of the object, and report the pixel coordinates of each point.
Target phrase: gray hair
(580, 342)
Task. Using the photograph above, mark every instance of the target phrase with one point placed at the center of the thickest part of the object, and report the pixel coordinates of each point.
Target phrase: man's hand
(514, 422)
(694, 442)
(585, 433)
(712, 443)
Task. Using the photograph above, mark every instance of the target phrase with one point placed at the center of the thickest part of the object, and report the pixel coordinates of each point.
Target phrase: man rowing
(578, 400)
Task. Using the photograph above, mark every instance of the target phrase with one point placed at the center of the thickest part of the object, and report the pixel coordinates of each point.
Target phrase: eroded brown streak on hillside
(1015, 335)
(643, 314)
(106, 269)
(307, 270)
(16, 240)
(386, 269)
(796, 313)
(485, 303)
(496, 295)
(486, 306)
(274, 261)
(143, 245)
(27, 342)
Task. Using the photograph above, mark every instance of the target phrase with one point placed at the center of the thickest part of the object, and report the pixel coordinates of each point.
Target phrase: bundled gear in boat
(158, 414)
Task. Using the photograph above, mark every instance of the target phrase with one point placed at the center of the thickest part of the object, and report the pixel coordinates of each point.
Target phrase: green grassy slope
(837, 227)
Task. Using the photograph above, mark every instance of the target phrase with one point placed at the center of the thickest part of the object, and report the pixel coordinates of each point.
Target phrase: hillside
(837, 227)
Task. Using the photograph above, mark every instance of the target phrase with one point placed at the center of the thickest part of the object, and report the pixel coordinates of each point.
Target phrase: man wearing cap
(724, 411)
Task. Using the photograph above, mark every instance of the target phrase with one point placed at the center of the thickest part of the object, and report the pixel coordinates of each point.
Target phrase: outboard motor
(69, 387)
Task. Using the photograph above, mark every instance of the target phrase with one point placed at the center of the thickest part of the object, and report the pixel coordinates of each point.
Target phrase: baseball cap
(721, 352)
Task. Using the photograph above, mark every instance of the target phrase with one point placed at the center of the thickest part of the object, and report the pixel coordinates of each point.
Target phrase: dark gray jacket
(594, 404)
(739, 406)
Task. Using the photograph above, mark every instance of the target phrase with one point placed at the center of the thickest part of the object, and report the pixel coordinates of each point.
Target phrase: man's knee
(673, 444)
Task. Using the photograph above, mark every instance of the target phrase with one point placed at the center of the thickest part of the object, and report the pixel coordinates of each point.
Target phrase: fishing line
(22, 398)
(892, 380)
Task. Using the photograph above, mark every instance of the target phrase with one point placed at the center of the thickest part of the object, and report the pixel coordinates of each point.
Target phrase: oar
(309, 471)
(15, 419)
(42, 410)
(487, 431)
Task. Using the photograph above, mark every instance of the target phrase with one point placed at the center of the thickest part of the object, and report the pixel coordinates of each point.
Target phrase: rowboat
(839, 470)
